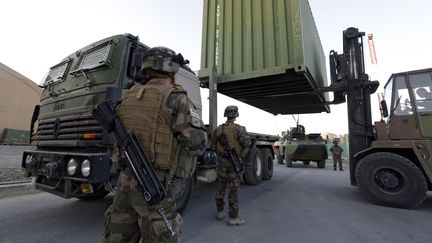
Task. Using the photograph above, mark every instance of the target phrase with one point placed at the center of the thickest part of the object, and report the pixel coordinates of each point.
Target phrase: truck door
(402, 124)
(422, 92)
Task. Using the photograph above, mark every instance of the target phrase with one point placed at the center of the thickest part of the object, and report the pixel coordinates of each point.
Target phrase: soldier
(228, 177)
(336, 151)
(161, 115)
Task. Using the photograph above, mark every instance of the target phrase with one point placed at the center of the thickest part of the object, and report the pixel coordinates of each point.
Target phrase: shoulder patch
(196, 119)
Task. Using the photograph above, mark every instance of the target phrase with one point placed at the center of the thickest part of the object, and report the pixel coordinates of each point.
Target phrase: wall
(18, 96)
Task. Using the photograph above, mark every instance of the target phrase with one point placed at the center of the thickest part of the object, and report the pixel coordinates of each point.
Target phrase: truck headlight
(71, 166)
(28, 160)
(85, 168)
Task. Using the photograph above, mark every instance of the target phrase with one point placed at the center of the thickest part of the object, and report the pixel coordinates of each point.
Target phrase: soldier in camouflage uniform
(336, 151)
(228, 177)
(166, 122)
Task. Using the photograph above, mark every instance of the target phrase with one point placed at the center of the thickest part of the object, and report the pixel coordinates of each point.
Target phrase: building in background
(18, 96)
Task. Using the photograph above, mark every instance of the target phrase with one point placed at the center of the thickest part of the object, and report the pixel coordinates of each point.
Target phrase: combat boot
(220, 215)
(334, 168)
(236, 221)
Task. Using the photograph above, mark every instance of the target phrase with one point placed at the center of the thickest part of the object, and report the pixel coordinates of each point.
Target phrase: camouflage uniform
(130, 218)
(336, 151)
(228, 178)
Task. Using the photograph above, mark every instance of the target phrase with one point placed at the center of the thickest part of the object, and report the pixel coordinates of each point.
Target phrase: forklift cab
(410, 97)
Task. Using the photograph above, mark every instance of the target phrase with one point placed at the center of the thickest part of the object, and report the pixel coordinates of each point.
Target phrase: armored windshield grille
(93, 58)
(57, 73)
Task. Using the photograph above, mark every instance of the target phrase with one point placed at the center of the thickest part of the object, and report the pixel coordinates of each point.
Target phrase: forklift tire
(321, 164)
(267, 159)
(288, 162)
(279, 159)
(254, 168)
(391, 180)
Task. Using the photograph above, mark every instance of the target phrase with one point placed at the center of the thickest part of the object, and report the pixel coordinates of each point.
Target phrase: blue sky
(36, 35)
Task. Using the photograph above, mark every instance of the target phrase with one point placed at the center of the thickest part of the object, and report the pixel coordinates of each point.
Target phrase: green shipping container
(266, 53)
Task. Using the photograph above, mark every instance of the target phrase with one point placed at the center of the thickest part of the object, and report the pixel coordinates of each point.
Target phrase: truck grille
(81, 127)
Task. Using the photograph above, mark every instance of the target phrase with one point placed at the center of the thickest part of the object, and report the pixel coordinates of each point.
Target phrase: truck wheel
(307, 162)
(279, 159)
(288, 161)
(391, 180)
(254, 169)
(267, 164)
(183, 188)
(321, 164)
(99, 193)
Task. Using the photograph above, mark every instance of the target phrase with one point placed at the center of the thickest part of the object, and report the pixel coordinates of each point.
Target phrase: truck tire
(98, 193)
(288, 161)
(183, 188)
(267, 159)
(254, 169)
(279, 159)
(321, 163)
(391, 180)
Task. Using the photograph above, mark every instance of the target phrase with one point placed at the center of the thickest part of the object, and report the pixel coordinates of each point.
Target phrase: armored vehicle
(296, 145)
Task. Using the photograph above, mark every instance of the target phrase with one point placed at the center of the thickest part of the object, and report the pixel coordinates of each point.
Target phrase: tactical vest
(144, 111)
(230, 131)
(336, 151)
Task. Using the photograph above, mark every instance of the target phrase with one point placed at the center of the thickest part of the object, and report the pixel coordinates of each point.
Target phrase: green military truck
(73, 156)
(296, 145)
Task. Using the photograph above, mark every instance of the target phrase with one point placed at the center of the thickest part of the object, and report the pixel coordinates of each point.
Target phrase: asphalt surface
(300, 204)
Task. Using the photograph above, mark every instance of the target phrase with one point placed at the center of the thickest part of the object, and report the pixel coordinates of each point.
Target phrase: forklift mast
(348, 78)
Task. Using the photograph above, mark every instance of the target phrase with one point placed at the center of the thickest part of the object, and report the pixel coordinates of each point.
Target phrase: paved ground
(300, 204)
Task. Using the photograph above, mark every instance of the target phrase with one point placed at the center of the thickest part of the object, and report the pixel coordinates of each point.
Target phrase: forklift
(390, 160)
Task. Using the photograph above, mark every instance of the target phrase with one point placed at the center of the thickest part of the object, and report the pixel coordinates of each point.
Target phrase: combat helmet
(161, 62)
(231, 111)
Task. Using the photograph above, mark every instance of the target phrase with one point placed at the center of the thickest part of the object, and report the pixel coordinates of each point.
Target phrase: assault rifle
(232, 155)
(138, 162)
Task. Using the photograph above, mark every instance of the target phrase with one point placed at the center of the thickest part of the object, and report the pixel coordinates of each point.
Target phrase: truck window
(401, 99)
(421, 84)
(58, 72)
(93, 58)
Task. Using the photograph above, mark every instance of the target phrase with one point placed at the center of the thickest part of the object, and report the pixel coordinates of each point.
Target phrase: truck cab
(73, 156)
(410, 105)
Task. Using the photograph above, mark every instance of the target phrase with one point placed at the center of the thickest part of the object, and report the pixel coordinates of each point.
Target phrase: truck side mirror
(384, 110)
(136, 63)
